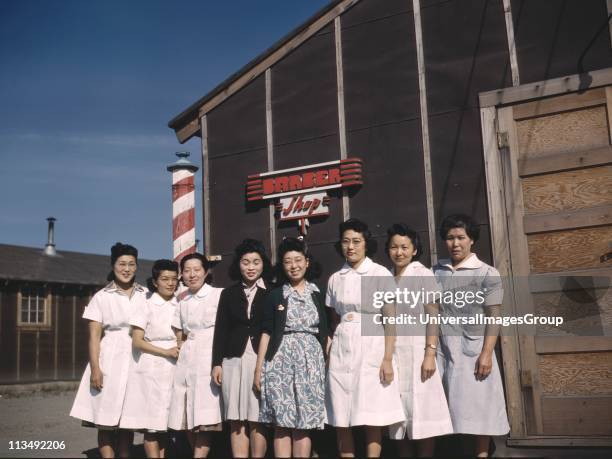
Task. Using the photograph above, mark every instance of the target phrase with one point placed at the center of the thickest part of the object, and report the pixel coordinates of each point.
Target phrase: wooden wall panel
(45, 353)
(568, 190)
(573, 416)
(585, 312)
(8, 342)
(82, 331)
(563, 103)
(27, 359)
(304, 97)
(584, 373)
(64, 332)
(575, 130)
(568, 250)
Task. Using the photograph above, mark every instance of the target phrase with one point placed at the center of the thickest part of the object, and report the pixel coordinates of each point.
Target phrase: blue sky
(86, 91)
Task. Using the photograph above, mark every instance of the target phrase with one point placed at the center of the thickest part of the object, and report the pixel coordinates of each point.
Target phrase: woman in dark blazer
(235, 345)
(293, 342)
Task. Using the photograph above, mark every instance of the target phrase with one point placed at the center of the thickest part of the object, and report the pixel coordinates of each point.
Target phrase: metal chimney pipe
(50, 247)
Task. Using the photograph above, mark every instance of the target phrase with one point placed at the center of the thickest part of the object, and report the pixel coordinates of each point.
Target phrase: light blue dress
(476, 407)
(293, 382)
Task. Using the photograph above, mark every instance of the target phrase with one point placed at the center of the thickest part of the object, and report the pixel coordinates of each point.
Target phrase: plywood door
(557, 170)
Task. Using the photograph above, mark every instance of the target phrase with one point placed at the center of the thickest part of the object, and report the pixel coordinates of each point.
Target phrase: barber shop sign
(301, 192)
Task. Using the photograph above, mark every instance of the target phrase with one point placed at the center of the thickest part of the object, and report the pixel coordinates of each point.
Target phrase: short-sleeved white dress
(196, 399)
(424, 403)
(476, 407)
(355, 396)
(149, 389)
(113, 309)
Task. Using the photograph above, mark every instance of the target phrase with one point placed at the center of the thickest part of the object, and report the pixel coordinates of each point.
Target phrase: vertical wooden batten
(346, 211)
(270, 154)
(501, 254)
(205, 185)
(514, 68)
(431, 219)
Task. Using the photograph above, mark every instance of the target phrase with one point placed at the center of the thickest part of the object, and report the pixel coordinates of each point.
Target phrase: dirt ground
(44, 416)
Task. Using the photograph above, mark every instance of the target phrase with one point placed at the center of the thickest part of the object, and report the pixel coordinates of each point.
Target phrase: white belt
(113, 331)
(351, 317)
(200, 332)
(163, 343)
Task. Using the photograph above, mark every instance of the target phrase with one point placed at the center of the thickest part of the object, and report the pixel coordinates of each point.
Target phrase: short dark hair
(250, 246)
(460, 221)
(292, 244)
(358, 226)
(118, 250)
(203, 260)
(401, 229)
(159, 266)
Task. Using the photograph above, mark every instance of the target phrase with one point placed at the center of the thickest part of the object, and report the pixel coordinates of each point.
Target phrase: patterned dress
(293, 382)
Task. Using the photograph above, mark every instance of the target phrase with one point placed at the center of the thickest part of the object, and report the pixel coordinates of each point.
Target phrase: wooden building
(496, 108)
(42, 297)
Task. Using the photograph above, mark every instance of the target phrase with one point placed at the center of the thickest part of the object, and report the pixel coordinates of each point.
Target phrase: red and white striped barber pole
(183, 206)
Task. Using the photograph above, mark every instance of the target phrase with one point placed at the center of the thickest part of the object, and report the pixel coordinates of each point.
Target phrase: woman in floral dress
(294, 335)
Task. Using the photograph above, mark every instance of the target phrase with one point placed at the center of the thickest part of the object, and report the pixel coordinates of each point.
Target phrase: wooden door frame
(497, 148)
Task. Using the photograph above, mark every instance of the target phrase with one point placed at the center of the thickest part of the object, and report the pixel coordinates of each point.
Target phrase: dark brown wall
(8, 333)
(237, 148)
(41, 341)
(465, 52)
(555, 38)
(383, 116)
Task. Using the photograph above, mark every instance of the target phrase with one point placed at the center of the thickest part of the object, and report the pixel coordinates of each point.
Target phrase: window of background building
(34, 307)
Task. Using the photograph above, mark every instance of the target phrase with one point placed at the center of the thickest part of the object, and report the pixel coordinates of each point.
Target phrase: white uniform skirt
(104, 407)
(240, 403)
(149, 391)
(195, 398)
(424, 403)
(355, 396)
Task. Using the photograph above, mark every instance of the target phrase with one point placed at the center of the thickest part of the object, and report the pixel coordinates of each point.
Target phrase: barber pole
(183, 206)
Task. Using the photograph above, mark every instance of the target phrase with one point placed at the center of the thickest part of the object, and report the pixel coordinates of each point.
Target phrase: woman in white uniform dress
(420, 385)
(361, 388)
(99, 400)
(470, 373)
(149, 390)
(196, 400)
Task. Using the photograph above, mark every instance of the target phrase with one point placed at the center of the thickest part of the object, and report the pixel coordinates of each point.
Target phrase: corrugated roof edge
(191, 113)
(30, 264)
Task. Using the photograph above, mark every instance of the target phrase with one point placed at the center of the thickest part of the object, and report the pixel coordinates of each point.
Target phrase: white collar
(200, 294)
(412, 266)
(258, 283)
(157, 300)
(363, 268)
(471, 262)
(308, 289)
(112, 287)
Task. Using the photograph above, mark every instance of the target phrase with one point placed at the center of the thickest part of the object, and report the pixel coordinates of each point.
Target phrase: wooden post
(501, 256)
(514, 68)
(205, 185)
(346, 211)
(431, 217)
(270, 154)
